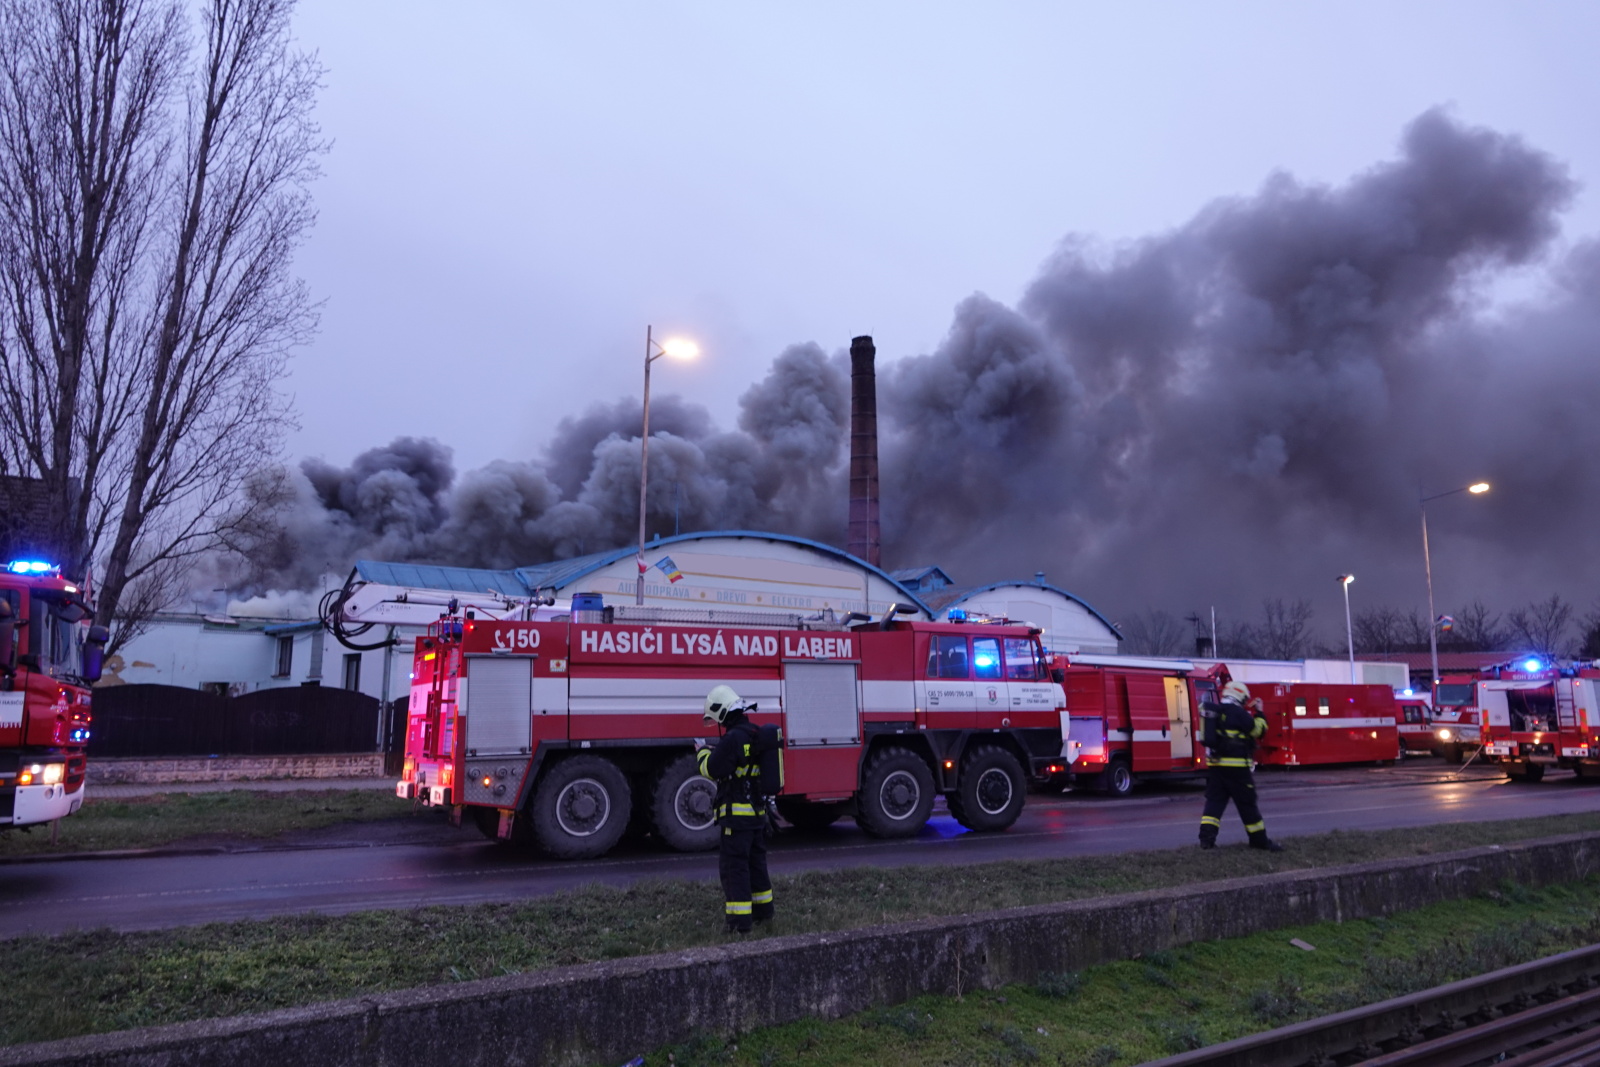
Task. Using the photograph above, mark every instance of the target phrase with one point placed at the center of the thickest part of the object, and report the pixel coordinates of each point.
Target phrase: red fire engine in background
(1457, 719)
(1414, 723)
(1536, 717)
(49, 655)
(566, 731)
(1129, 719)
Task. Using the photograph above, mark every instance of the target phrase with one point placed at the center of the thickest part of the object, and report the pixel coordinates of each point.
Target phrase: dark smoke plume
(1241, 408)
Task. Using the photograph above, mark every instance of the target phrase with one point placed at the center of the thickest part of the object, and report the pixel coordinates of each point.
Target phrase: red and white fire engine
(1457, 718)
(1129, 719)
(49, 656)
(1536, 717)
(567, 731)
(1414, 723)
(1318, 722)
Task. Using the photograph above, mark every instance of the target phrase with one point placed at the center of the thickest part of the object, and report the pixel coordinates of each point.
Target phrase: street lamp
(1350, 641)
(1427, 565)
(653, 350)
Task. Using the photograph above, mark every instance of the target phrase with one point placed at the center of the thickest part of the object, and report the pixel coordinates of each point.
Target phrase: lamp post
(1427, 565)
(1349, 638)
(653, 350)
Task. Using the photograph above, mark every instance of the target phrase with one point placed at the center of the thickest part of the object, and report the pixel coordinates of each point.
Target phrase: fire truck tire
(580, 808)
(682, 806)
(1453, 754)
(991, 791)
(1117, 779)
(809, 816)
(896, 794)
(1527, 772)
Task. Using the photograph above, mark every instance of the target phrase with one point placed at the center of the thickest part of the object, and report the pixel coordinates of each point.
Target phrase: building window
(285, 657)
(352, 671)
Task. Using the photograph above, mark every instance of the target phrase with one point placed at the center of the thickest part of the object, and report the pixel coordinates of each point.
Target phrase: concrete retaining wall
(175, 770)
(604, 1013)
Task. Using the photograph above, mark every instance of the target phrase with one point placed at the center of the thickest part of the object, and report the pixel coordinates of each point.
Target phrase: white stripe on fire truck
(1335, 723)
(888, 696)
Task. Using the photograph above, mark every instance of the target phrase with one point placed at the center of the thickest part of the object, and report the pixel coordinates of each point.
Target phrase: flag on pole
(1445, 623)
(643, 566)
(669, 568)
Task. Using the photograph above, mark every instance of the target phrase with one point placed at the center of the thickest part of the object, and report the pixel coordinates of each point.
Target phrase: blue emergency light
(956, 615)
(29, 566)
(1532, 665)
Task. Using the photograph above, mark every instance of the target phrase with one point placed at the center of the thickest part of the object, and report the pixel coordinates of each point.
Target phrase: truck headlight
(1444, 735)
(42, 774)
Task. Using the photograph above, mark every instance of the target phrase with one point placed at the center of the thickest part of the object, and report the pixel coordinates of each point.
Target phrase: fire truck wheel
(991, 791)
(1117, 779)
(896, 794)
(682, 808)
(580, 808)
(809, 816)
(1526, 772)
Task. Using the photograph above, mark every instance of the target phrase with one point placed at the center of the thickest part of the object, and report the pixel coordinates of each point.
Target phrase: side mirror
(1058, 675)
(94, 653)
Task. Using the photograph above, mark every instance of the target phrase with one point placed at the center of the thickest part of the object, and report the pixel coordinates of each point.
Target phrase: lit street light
(653, 350)
(1427, 565)
(1344, 580)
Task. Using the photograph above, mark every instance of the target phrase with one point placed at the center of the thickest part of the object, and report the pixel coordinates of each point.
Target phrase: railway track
(1540, 1014)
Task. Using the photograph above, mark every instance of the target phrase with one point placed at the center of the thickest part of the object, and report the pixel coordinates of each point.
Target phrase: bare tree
(1542, 626)
(1155, 633)
(153, 192)
(1477, 629)
(1378, 631)
(1589, 646)
(1285, 630)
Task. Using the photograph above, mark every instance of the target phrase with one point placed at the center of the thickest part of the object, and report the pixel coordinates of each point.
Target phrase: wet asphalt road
(444, 865)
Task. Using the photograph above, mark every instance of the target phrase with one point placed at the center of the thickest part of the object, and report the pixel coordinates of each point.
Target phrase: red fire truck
(1129, 719)
(1414, 723)
(1540, 717)
(566, 731)
(49, 655)
(1311, 722)
(1457, 718)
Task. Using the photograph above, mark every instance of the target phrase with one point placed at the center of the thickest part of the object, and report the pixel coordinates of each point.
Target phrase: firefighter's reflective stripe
(1229, 761)
(1210, 820)
(702, 758)
(763, 896)
(738, 907)
(1252, 827)
(736, 809)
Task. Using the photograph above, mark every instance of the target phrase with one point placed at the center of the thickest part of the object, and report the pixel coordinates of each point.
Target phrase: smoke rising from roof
(1243, 407)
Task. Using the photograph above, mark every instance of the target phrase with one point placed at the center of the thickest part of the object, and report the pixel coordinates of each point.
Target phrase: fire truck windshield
(1458, 695)
(55, 642)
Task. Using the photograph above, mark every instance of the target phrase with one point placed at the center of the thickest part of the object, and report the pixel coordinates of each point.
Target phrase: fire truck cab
(566, 732)
(1414, 723)
(1457, 718)
(49, 655)
(1129, 719)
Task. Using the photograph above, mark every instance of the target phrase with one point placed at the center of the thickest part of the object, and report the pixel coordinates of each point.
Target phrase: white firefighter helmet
(1236, 693)
(722, 701)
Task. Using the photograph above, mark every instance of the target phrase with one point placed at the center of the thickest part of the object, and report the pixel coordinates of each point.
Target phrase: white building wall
(1068, 626)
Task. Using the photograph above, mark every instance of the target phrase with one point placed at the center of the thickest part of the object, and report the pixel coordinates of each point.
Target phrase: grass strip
(1168, 1002)
(169, 818)
(101, 981)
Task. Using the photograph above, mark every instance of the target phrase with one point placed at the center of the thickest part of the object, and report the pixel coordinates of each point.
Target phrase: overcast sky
(516, 190)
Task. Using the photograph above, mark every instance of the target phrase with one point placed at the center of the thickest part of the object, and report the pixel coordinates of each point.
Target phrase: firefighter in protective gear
(734, 764)
(1231, 730)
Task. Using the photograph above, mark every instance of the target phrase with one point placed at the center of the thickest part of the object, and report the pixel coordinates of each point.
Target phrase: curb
(613, 1009)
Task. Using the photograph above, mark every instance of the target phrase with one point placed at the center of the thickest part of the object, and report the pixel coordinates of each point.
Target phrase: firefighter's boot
(1208, 837)
(1260, 840)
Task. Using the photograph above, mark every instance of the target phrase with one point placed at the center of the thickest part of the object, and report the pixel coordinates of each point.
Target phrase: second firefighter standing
(1231, 730)
(746, 763)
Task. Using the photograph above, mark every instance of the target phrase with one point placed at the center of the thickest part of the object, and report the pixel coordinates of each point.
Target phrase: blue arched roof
(967, 594)
(559, 574)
